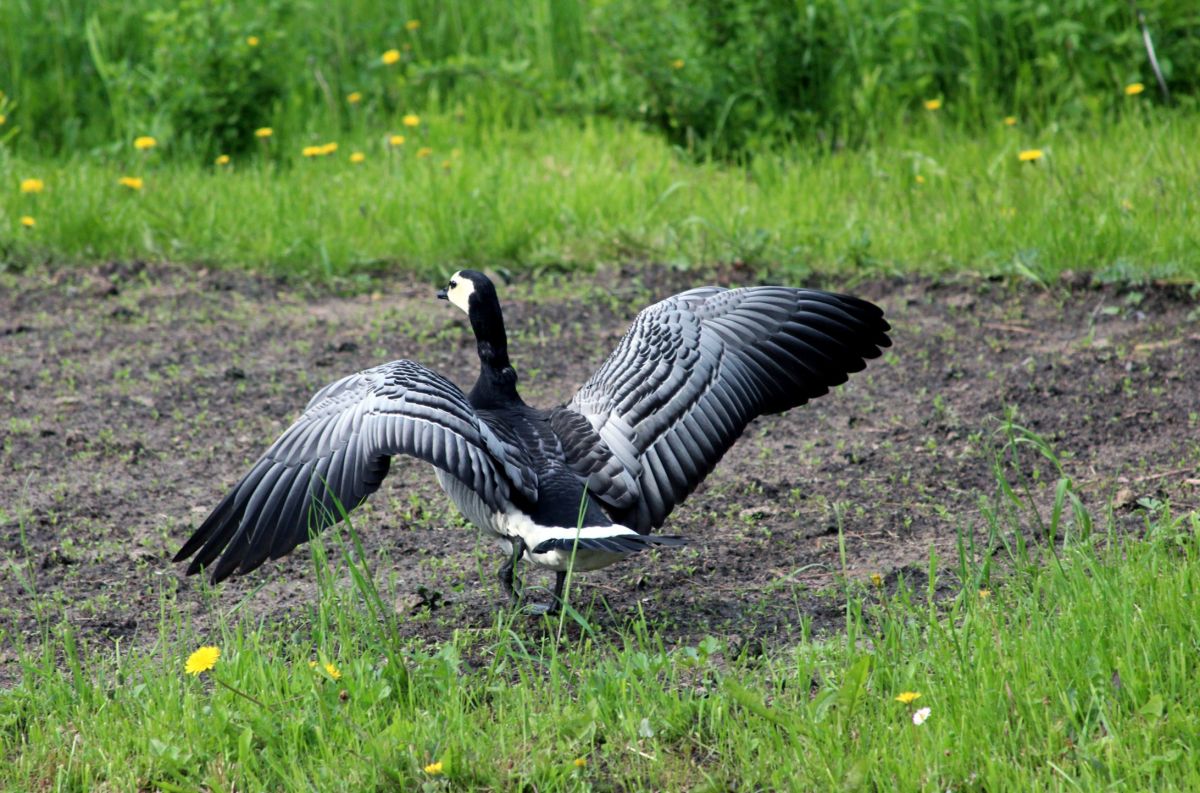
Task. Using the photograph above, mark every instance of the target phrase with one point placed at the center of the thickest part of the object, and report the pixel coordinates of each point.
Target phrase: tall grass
(718, 76)
(1120, 201)
(1068, 666)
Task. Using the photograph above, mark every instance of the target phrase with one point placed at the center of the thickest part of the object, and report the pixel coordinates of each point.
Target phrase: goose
(579, 486)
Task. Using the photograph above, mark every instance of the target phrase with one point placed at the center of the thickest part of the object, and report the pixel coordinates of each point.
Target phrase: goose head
(475, 294)
(462, 289)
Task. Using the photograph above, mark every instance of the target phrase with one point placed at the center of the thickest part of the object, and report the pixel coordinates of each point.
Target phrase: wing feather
(339, 451)
(693, 370)
(285, 540)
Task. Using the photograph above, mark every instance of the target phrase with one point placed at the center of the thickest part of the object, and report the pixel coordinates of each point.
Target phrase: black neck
(497, 383)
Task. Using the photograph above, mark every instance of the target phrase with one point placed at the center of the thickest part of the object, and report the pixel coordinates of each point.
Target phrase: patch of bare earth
(132, 397)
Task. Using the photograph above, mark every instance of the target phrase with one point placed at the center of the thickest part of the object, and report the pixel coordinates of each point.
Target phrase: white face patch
(459, 291)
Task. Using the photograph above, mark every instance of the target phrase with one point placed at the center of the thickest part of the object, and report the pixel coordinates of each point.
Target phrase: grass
(1119, 200)
(719, 76)
(1068, 666)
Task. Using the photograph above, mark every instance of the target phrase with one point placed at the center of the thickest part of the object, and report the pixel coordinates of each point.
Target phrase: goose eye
(454, 284)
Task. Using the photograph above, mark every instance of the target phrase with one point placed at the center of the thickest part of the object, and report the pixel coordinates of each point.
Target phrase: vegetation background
(713, 76)
(790, 135)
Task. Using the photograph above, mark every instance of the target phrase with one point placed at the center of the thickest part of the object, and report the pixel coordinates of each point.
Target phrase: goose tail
(618, 543)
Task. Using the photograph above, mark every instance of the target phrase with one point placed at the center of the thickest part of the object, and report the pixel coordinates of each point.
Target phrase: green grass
(718, 75)
(1120, 200)
(1077, 670)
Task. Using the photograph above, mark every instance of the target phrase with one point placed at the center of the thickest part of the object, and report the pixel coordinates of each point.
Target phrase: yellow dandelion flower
(412, 24)
(32, 185)
(263, 132)
(28, 222)
(933, 104)
(354, 97)
(424, 152)
(222, 159)
(580, 762)
(1010, 121)
(252, 41)
(920, 179)
(1133, 89)
(132, 182)
(3, 118)
(447, 164)
(144, 142)
(1030, 155)
(312, 664)
(412, 120)
(908, 697)
(433, 769)
(311, 151)
(876, 579)
(333, 671)
(328, 148)
(677, 64)
(390, 57)
(984, 594)
(396, 140)
(358, 157)
(202, 660)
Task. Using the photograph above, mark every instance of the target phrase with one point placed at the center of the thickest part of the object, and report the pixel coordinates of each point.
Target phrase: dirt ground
(132, 396)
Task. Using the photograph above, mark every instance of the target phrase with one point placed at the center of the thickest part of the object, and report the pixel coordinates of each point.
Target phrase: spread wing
(692, 371)
(341, 447)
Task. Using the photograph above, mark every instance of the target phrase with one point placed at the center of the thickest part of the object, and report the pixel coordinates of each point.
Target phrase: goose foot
(553, 608)
(511, 583)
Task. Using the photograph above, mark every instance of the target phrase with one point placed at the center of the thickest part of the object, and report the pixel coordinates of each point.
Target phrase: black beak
(442, 295)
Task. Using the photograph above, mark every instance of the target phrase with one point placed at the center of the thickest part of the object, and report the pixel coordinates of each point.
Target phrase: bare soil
(132, 396)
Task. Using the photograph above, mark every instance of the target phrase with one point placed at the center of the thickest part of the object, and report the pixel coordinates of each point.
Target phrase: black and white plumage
(640, 435)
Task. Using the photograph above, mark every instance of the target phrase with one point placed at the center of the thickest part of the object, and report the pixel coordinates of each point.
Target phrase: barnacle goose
(688, 376)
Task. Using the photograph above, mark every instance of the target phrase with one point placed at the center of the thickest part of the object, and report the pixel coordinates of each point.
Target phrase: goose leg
(560, 580)
(508, 572)
(511, 581)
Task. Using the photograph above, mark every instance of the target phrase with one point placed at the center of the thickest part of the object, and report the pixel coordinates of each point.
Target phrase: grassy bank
(1074, 670)
(1119, 200)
